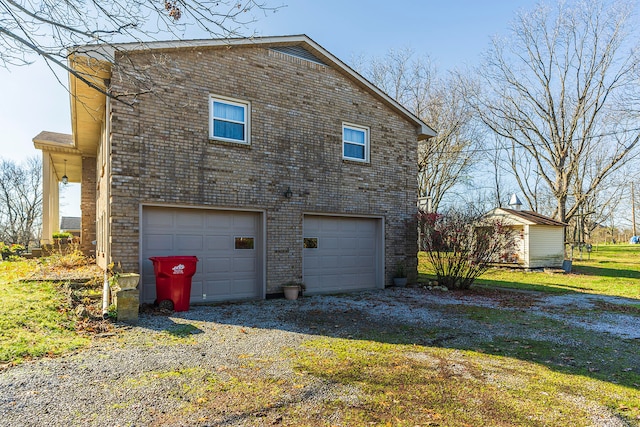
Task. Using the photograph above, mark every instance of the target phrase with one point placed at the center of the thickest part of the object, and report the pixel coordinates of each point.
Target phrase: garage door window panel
(311, 243)
(244, 243)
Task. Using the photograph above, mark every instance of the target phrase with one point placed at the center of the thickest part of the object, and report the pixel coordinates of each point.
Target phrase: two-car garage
(339, 253)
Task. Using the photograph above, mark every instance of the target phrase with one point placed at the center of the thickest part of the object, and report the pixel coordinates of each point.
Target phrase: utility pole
(633, 211)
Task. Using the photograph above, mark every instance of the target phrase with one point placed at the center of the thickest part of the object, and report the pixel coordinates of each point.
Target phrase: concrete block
(127, 303)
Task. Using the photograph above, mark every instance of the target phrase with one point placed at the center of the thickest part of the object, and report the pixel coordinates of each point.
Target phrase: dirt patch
(633, 310)
(503, 298)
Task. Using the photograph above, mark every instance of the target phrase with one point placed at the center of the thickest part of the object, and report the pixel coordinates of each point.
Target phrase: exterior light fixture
(288, 193)
(65, 178)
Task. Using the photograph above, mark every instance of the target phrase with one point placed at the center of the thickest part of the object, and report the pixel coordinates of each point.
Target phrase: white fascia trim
(106, 52)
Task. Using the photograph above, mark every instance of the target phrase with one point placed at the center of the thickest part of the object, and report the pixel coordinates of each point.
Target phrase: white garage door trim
(357, 241)
(202, 283)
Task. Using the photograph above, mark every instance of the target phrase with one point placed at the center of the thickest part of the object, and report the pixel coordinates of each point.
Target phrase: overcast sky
(453, 33)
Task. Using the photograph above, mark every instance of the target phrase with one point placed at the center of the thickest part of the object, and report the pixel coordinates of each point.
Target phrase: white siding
(546, 246)
(522, 244)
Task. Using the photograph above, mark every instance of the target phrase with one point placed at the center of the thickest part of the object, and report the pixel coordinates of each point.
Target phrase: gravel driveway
(106, 385)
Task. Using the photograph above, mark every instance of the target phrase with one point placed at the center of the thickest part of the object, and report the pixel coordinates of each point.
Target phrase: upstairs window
(229, 120)
(355, 143)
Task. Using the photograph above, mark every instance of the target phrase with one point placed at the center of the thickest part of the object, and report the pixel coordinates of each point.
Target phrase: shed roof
(70, 223)
(531, 217)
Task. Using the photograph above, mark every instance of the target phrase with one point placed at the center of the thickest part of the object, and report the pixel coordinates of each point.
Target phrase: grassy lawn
(611, 270)
(408, 385)
(35, 319)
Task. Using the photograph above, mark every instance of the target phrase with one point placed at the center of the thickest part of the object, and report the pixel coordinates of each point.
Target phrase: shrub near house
(461, 245)
(9, 251)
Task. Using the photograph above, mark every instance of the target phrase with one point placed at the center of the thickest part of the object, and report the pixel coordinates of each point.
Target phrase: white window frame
(247, 119)
(366, 144)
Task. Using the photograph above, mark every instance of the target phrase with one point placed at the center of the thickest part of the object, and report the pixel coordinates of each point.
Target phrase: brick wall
(161, 152)
(88, 206)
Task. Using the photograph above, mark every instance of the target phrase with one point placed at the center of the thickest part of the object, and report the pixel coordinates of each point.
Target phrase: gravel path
(114, 381)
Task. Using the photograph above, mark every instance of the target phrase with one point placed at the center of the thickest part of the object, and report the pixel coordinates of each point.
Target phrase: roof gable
(298, 52)
(527, 217)
(299, 46)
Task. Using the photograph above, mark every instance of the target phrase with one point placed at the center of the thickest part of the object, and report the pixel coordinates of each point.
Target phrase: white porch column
(50, 200)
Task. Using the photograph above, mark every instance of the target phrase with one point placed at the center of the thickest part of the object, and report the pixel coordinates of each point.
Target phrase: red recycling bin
(173, 279)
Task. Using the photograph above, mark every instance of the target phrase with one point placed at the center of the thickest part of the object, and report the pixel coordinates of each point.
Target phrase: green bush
(11, 251)
(61, 235)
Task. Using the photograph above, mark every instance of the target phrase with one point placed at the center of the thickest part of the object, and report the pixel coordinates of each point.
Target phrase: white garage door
(342, 253)
(228, 245)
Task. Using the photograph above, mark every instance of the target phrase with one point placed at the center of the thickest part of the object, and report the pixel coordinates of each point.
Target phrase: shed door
(228, 245)
(342, 253)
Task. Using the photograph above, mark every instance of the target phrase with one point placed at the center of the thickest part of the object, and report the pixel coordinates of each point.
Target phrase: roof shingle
(534, 217)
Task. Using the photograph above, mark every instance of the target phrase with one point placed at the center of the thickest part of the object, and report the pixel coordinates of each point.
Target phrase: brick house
(269, 159)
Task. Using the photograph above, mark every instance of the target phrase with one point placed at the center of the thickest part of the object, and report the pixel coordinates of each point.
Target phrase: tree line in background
(553, 109)
(551, 112)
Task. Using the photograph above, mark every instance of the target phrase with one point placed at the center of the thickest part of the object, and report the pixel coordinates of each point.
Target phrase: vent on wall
(298, 52)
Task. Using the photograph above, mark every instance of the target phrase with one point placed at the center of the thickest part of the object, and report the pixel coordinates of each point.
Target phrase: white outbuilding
(539, 239)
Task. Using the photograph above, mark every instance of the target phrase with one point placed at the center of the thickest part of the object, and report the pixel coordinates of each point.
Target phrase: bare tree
(551, 90)
(53, 30)
(20, 201)
(406, 79)
(444, 160)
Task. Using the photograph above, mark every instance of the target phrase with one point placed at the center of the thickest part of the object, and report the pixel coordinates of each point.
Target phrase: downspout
(107, 186)
(105, 295)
